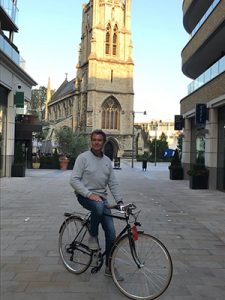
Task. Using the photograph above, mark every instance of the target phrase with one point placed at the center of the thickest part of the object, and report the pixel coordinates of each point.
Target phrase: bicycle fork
(132, 236)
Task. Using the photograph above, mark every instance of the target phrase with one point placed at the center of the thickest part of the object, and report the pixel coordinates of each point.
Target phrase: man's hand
(95, 197)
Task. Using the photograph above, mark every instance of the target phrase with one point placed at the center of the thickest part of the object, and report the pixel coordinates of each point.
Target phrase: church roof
(66, 89)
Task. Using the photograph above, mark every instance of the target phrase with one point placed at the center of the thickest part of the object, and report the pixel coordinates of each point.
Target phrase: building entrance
(221, 149)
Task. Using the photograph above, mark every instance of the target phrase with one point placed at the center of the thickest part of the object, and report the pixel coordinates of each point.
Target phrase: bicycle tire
(152, 278)
(75, 257)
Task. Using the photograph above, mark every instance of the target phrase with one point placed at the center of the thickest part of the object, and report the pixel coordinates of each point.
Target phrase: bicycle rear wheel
(149, 280)
(73, 249)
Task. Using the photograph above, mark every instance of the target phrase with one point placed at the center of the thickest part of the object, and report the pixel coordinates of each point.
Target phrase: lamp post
(133, 115)
(155, 142)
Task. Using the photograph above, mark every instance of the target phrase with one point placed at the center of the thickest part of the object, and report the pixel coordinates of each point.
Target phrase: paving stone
(189, 222)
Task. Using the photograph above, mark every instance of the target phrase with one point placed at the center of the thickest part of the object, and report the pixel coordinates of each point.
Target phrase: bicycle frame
(127, 229)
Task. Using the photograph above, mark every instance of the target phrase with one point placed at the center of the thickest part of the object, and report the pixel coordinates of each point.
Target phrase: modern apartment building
(203, 109)
(15, 89)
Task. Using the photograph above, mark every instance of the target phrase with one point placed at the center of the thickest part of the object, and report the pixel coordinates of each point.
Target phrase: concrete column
(211, 146)
(10, 133)
(186, 147)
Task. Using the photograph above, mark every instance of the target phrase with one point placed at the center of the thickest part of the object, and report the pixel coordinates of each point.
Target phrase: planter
(18, 170)
(177, 174)
(36, 165)
(198, 182)
(63, 163)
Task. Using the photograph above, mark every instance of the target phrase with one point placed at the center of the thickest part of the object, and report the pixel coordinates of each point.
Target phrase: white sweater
(92, 174)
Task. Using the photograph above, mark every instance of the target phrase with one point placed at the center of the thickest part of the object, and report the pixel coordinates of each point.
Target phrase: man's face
(97, 142)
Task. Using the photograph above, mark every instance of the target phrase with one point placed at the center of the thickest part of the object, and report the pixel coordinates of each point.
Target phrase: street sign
(178, 122)
(201, 113)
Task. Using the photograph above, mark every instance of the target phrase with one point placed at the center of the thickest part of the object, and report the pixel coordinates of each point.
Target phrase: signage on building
(19, 99)
(201, 113)
(178, 122)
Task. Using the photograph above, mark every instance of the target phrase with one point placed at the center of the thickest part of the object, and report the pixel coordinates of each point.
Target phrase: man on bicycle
(91, 175)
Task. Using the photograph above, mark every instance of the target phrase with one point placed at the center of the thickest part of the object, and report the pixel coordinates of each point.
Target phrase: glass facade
(3, 109)
(221, 149)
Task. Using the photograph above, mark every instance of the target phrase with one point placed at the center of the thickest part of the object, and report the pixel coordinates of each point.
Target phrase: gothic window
(107, 39)
(55, 112)
(59, 111)
(111, 114)
(65, 108)
(115, 40)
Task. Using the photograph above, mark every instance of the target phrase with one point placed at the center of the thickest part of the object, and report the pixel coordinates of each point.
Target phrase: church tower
(104, 82)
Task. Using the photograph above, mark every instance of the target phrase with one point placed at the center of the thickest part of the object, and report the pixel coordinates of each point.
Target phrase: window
(111, 114)
(111, 40)
(107, 39)
(115, 34)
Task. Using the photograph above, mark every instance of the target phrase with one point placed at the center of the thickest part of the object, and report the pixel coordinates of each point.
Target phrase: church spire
(47, 99)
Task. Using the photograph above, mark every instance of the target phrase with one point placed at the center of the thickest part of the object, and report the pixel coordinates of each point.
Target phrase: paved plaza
(191, 223)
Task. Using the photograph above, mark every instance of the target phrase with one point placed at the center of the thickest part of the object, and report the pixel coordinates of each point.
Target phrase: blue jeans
(97, 216)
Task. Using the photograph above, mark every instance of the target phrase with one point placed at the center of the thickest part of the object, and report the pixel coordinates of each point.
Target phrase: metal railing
(11, 9)
(209, 74)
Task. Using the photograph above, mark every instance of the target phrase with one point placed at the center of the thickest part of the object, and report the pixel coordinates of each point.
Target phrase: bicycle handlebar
(128, 208)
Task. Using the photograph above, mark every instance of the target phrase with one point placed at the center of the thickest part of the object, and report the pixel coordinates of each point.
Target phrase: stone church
(101, 95)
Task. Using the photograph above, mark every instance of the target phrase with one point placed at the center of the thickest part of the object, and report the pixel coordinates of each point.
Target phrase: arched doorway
(108, 149)
(111, 148)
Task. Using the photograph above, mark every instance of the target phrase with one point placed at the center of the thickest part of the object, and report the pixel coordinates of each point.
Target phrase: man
(91, 175)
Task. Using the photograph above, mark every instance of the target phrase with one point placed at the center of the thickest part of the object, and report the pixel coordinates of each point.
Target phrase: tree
(160, 144)
(38, 98)
(65, 141)
(70, 144)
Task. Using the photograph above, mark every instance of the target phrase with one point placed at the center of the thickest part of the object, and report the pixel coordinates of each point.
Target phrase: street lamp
(156, 125)
(133, 114)
(156, 128)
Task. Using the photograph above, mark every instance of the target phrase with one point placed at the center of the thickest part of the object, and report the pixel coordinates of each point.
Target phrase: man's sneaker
(93, 243)
(118, 276)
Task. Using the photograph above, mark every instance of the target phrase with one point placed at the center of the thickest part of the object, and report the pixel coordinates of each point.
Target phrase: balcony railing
(11, 9)
(212, 72)
(206, 15)
(9, 50)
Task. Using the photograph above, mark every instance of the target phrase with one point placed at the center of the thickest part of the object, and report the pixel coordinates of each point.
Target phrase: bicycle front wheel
(148, 280)
(73, 249)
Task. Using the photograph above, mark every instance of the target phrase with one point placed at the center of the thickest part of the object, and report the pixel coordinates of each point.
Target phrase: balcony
(8, 15)
(212, 72)
(206, 15)
(9, 50)
(212, 90)
(193, 11)
(207, 45)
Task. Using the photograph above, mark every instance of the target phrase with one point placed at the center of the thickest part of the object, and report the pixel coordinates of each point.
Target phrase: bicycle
(141, 259)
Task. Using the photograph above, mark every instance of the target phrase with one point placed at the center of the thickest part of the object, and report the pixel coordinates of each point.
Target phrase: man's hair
(99, 132)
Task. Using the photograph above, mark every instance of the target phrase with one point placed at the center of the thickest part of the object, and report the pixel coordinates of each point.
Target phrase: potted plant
(35, 161)
(63, 162)
(18, 166)
(64, 139)
(199, 176)
(175, 167)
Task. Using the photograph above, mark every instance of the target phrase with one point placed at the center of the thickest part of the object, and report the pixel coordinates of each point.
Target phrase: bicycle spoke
(152, 278)
(75, 255)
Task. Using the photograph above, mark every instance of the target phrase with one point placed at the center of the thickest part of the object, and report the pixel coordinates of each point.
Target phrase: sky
(49, 37)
